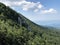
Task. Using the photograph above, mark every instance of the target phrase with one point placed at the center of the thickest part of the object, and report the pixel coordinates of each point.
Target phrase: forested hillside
(15, 29)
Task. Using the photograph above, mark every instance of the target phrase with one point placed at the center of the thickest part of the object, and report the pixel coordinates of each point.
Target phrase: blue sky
(47, 11)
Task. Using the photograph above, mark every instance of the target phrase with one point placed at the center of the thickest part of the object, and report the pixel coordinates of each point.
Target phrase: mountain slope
(15, 29)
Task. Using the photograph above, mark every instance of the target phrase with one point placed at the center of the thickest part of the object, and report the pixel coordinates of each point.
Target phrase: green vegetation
(15, 29)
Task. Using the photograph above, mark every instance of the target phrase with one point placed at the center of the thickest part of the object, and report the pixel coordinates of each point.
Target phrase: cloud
(40, 5)
(11, 2)
(26, 6)
(36, 10)
(15, 0)
(50, 11)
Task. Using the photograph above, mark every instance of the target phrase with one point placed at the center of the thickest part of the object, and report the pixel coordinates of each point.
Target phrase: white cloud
(36, 10)
(39, 5)
(15, 0)
(50, 11)
(26, 5)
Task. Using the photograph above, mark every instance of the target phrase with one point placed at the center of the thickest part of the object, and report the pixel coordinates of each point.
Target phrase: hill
(15, 29)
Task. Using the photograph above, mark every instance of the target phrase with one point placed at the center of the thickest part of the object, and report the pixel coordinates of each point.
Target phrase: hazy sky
(36, 10)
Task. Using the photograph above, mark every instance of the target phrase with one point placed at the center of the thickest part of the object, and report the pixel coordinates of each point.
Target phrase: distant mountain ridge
(15, 29)
(53, 23)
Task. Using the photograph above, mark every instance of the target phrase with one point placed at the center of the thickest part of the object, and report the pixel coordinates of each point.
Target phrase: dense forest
(15, 29)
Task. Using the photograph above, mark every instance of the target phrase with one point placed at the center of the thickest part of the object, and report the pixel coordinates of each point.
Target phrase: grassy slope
(29, 33)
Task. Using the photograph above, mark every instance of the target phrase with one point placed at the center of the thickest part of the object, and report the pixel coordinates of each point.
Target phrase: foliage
(24, 32)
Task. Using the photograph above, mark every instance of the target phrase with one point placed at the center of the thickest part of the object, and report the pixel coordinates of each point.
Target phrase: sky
(44, 12)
